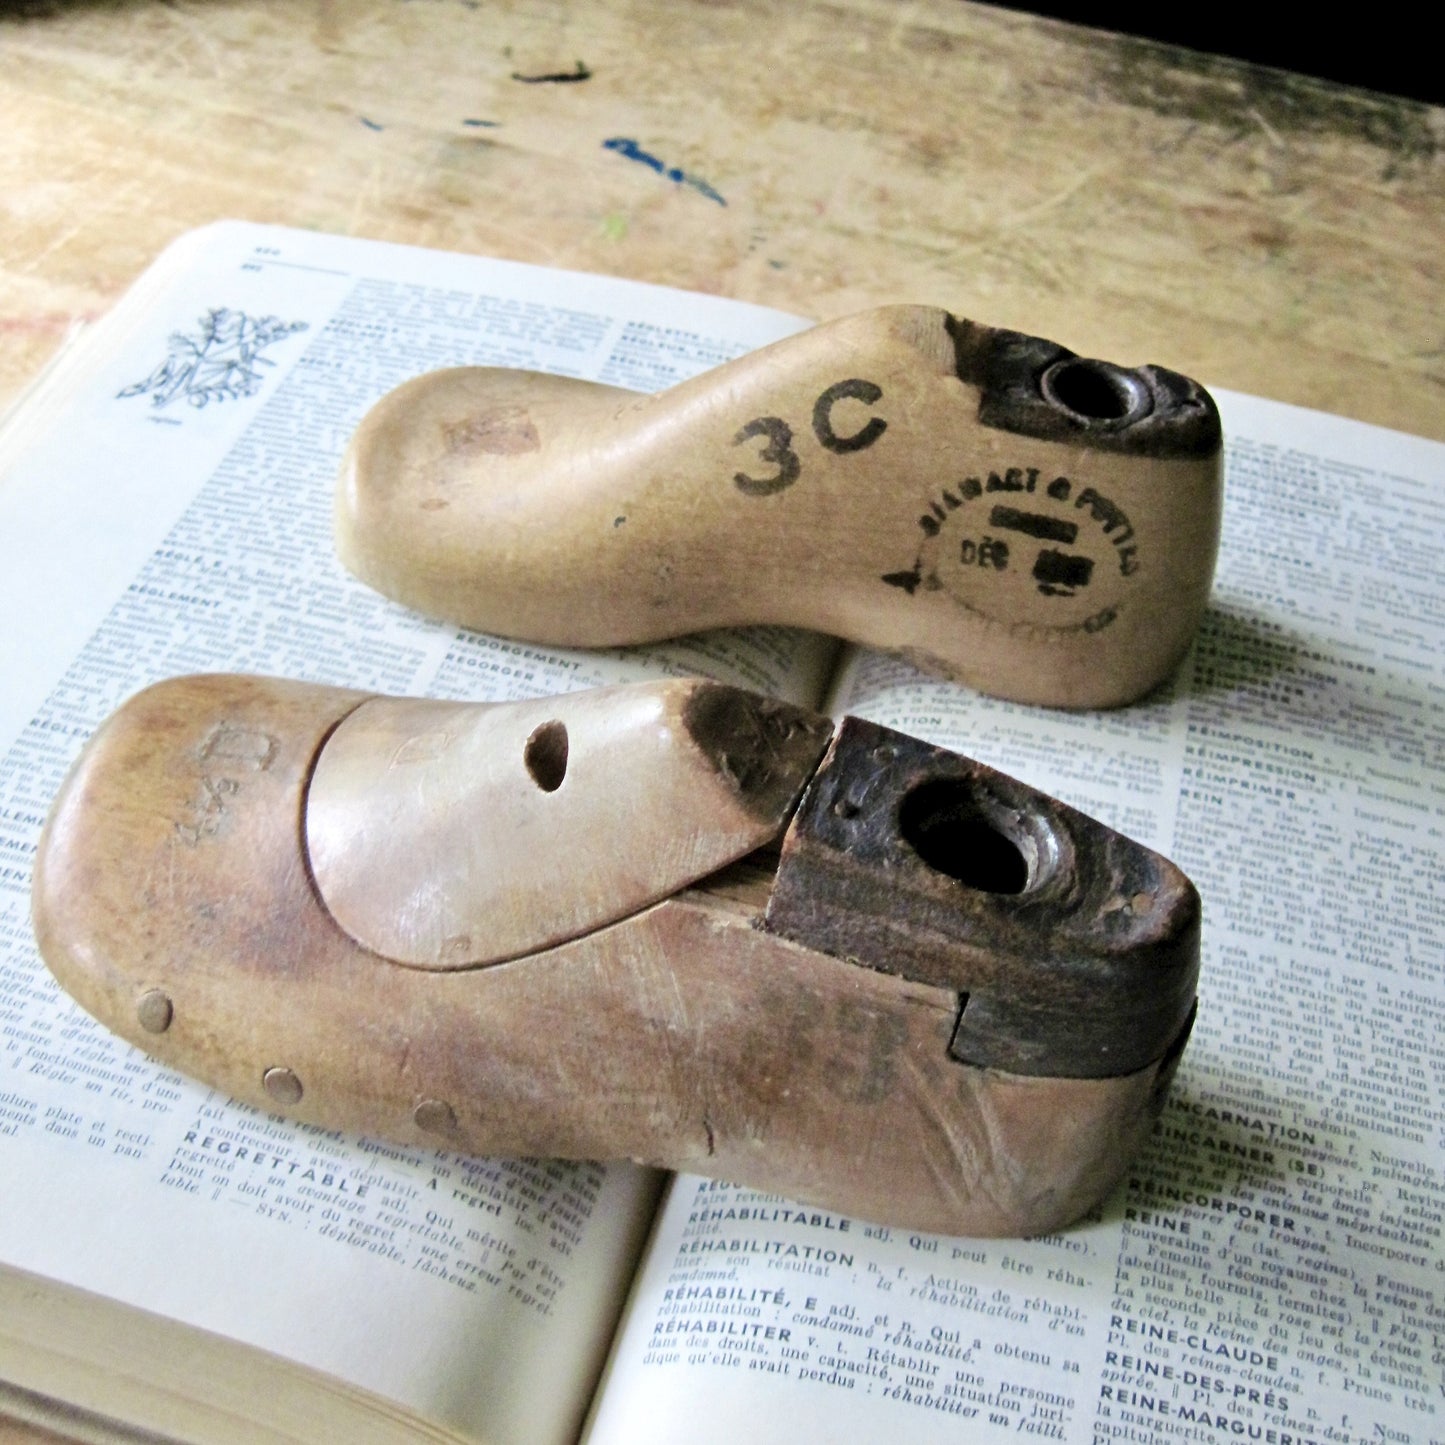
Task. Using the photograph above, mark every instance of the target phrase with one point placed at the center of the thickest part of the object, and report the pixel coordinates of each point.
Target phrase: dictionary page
(1273, 1268)
(165, 507)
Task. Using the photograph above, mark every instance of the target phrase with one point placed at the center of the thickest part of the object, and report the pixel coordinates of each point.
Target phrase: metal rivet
(434, 1116)
(154, 1011)
(282, 1085)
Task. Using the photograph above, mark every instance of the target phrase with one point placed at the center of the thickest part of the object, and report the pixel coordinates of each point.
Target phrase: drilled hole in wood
(947, 828)
(545, 755)
(1095, 390)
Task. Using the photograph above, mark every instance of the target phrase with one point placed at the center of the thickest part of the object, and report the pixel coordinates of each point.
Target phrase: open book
(1273, 1270)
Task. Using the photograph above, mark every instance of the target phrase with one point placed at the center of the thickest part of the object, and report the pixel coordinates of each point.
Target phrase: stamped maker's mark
(230, 753)
(994, 540)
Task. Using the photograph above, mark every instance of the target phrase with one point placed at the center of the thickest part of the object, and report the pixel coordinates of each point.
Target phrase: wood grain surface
(1255, 229)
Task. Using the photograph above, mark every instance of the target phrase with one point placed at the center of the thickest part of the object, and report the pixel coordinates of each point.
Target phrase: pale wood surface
(571, 514)
(1255, 230)
(693, 1028)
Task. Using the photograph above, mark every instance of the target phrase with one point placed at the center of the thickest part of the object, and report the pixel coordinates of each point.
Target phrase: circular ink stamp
(1026, 549)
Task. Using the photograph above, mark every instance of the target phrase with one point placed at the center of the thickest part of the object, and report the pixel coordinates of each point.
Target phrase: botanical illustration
(219, 361)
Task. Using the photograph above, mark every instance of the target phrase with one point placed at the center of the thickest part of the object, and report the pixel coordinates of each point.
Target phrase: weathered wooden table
(1257, 230)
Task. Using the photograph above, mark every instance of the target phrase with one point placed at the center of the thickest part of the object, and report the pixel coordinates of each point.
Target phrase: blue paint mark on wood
(634, 152)
(370, 124)
(487, 124)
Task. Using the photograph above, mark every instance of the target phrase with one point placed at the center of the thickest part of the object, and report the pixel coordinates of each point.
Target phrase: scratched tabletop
(1255, 229)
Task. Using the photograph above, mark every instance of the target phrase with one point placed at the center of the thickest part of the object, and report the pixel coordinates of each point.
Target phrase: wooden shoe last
(675, 923)
(1038, 525)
